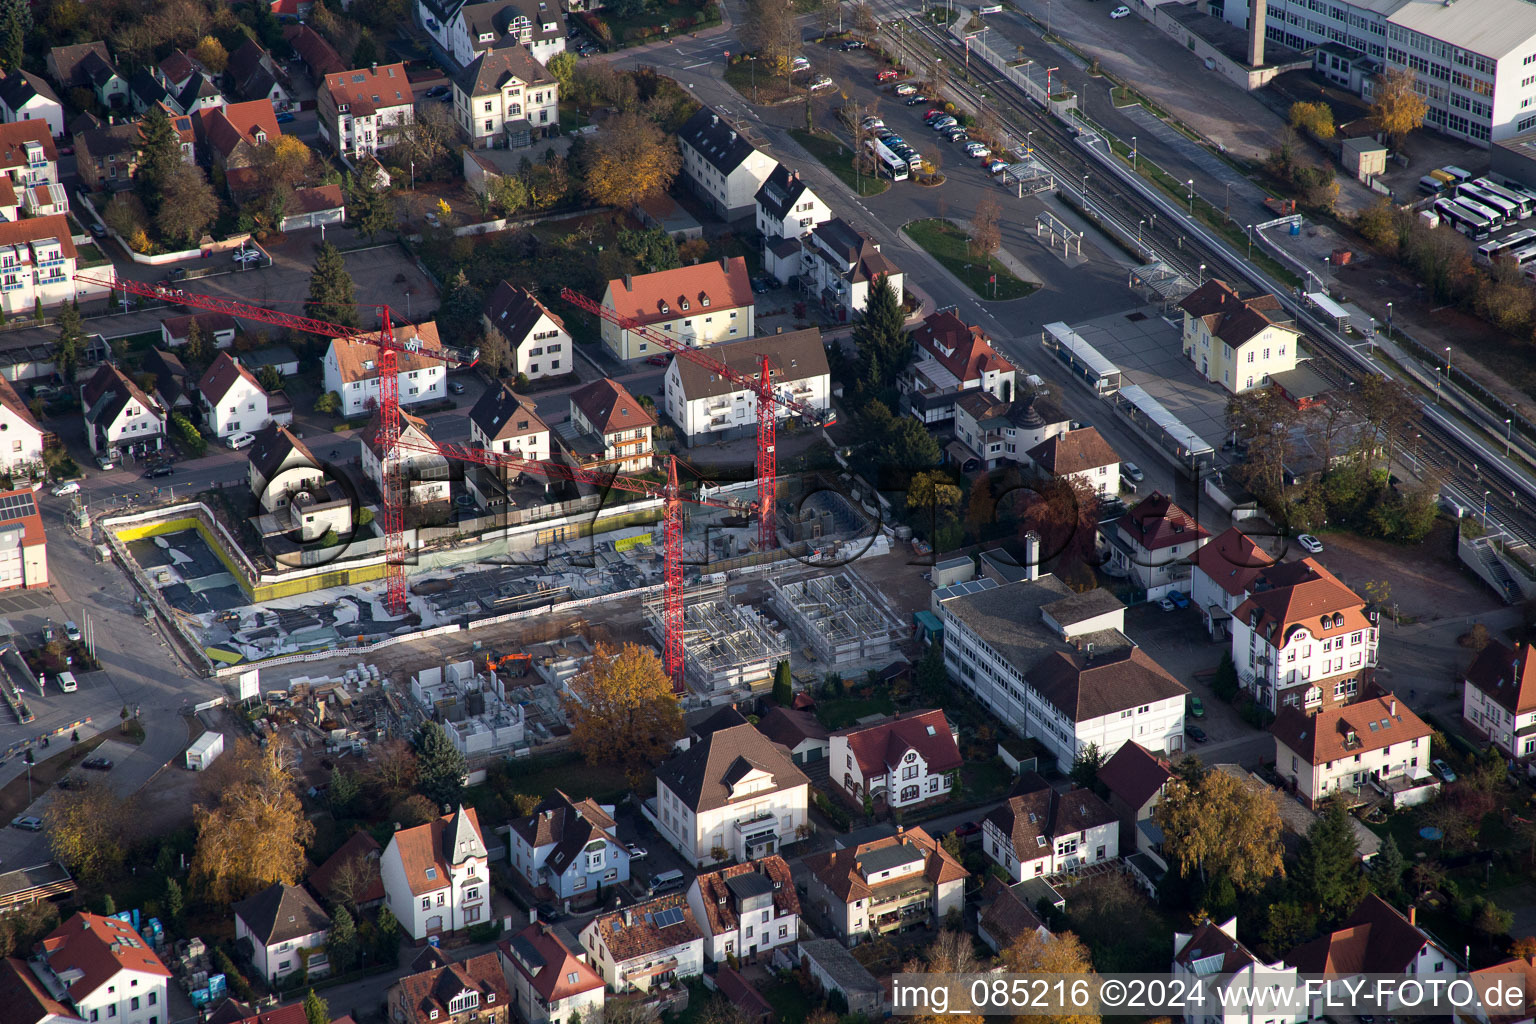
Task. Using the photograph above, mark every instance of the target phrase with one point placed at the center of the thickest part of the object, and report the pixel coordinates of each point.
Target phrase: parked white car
(67, 487)
(239, 441)
(976, 151)
(906, 89)
(822, 83)
(1120, 12)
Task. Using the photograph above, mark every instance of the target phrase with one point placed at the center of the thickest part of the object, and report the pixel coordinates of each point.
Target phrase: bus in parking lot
(887, 162)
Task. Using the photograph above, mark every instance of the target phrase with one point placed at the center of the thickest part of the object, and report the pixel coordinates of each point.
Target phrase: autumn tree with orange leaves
(622, 709)
(253, 831)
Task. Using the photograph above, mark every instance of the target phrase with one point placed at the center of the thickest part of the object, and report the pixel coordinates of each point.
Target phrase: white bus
(1490, 251)
(888, 163)
(1521, 200)
(1523, 258)
(1494, 216)
(1474, 225)
(1507, 210)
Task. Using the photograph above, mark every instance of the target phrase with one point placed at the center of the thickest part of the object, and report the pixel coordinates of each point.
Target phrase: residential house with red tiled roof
(568, 849)
(954, 359)
(1038, 832)
(697, 305)
(1154, 543)
(103, 970)
(234, 402)
(472, 991)
(840, 264)
(317, 55)
(23, 541)
(1235, 342)
(1225, 570)
(990, 432)
(1007, 914)
(708, 407)
(351, 874)
(231, 136)
(1213, 951)
(1080, 454)
(615, 429)
(37, 262)
(908, 760)
(1377, 742)
(27, 1000)
(539, 343)
(118, 415)
(1376, 939)
(746, 909)
(1491, 982)
(550, 983)
(351, 369)
(360, 111)
(1302, 638)
(21, 436)
(415, 461)
(650, 944)
(1134, 779)
(1498, 698)
(885, 885)
(437, 876)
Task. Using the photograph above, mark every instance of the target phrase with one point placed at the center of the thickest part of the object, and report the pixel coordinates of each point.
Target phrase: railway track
(1484, 489)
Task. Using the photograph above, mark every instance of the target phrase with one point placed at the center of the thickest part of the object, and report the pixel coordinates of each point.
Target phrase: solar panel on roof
(14, 506)
(666, 918)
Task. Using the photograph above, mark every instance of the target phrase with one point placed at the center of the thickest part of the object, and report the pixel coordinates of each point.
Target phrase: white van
(67, 682)
(667, 881)
(239, 441)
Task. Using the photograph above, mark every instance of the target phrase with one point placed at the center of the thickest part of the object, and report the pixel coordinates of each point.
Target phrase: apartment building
(904, 881)
(23, 541)
(707, 407)
(537, 26)
(37, 263)
(351, 369)
(697, 305)
(505, 99)
(840, 264)
(1302, 639)
(1038, 832)
(786, 210)
(539, 343)
(609, 426)
(746, 909)
(647, 945)
(1235, 342)
(1224, 572)
(103, 969)
(361, 110)
(415, 461)
(27, 153)
(955, 360)
(1347, 748)
(1498, 698)
(722, 167)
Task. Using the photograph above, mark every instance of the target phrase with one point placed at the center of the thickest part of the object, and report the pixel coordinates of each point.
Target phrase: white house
(787, 210)
(21, 437)
(505, 99)
(104, 970)
(647, 945)
(1225, 570)
(45, 199)
(568, 847)
(1236, 342)
(746, 909)
(550, 984)
(1498, 698)
(503, 421)
(1347, 748)
(537, 25)
(286, 930)
(537, 338)
(118, 414)
(37, 263)
(611, 427)
(362, 110)
(839, 265)
(884, 885)
(722, 167)
(697, 305)
(234, 402)
(905, 761)
(351, 370)
(1153, 544)
(437, 876)
(1214, 949)
(415, 459)
(707, 407)
(956, 360)
(731, 789)
(27, 153)
(1376, 939)
(23, 541)
(289, 484)
(26, 97)
(1302, 639)
(1080, 454)
(1056, 665)
(993, 432)
(1039, 832)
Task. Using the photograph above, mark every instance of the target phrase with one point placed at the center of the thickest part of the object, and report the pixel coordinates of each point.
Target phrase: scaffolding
(731, 646)
(473, 708)
(841, 621)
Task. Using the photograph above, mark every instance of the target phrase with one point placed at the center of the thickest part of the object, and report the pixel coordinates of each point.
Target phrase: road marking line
(700, 64)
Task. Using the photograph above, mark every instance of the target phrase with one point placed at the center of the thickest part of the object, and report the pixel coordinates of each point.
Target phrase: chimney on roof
(398, 826)
(629, 918)
(629, 283)
(1394, 707)
(447, 808)
(1413, 914)
(533, 915)
(714, 119)
(779, 329)
(374, 67)
(1031, 555)
(725, 264)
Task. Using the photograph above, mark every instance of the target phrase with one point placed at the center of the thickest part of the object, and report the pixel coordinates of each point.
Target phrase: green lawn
(757, 84)
(571, 773)
(840, 714)
(837, 158)
(660, 22)
(948, 244)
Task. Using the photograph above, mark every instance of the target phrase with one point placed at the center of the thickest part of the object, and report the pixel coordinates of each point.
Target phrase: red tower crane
(761, 386)
(389, 440)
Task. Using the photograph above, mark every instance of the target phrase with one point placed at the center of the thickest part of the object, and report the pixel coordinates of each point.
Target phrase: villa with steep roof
(569, 847)
(103, 970)
(1376, 939)
(437, 878)
(550, 983)
(955, 360)
(1235, 342)
(746, 909)
(902, 881)
(1498, 698)
(1153, 544)
(1038, 832)
(908, 760)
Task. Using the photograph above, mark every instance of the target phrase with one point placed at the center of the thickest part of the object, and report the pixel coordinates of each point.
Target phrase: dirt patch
(164, 803)
(1427, 581)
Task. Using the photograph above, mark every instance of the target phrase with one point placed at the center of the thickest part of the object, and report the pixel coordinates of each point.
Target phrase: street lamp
(1202, 273)
(1133, 152)
(1191, 184)
(1250, 241)
(1085, 193)
(1138, 229)
(1508, 429)
(1028, 149)
(1389, 319)
(1485, 511)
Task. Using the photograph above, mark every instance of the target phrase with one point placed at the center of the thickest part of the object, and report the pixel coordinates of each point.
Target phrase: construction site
(842, 622)
(475, 709)
(732, 647)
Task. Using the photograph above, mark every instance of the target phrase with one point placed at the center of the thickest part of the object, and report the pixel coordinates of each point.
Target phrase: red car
(887, 75)
(967, 830)
(658, 360)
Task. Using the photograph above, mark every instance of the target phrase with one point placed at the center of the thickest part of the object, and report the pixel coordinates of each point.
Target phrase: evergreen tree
(70, 342)
(1086, 765)
(159, 154)
(783, 685)
(197, 345)
(15, 26)
(1387, 870)
(315, 1009)
(929, 676)
(441, 768)
(172, 902)
(108, 905)
(458, 316)
(369, 205)
(330, 289)
(879, 337)
(341, 945)
(1328, 864)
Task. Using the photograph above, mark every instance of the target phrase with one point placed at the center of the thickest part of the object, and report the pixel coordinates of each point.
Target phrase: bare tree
(986, 228)
(772, 32)
(853, 116)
